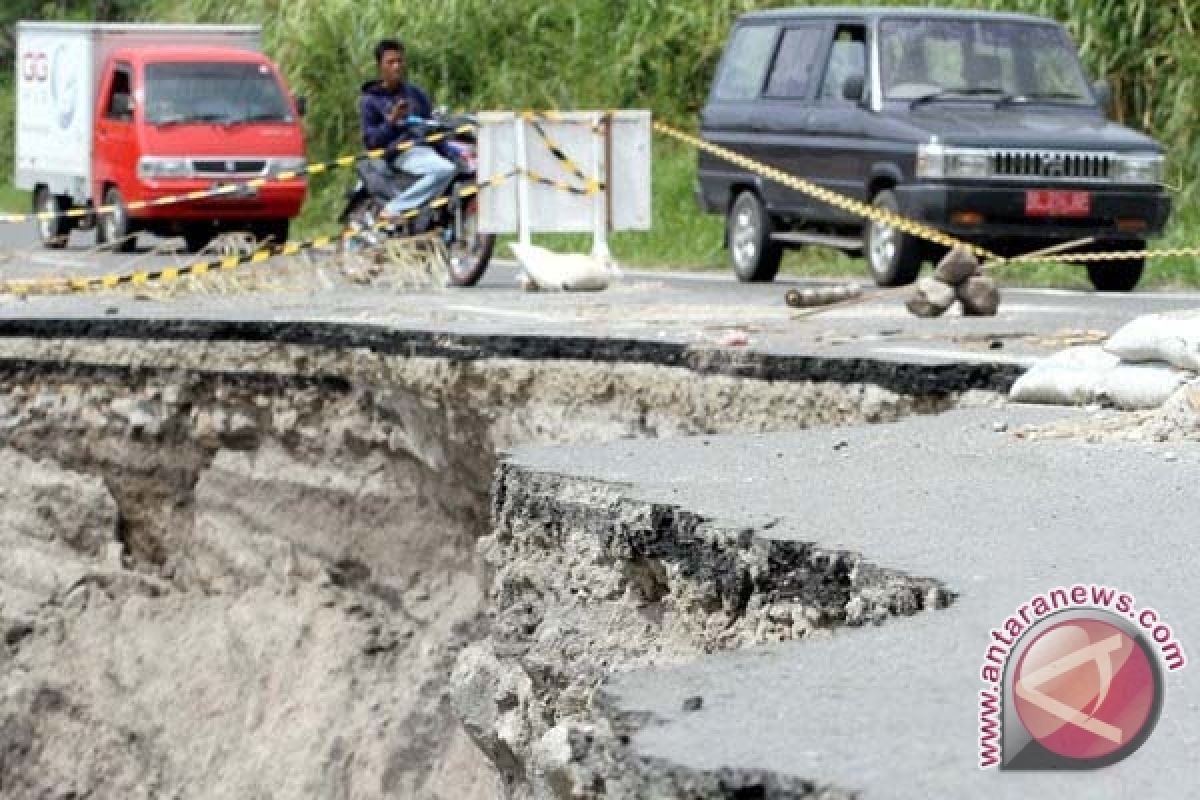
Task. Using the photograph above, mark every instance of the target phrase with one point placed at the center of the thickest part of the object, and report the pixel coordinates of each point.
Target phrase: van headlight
(151, 167)
(1138, 168)
(939, 161)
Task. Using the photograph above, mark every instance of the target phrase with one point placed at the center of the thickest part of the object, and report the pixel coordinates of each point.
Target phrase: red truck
(117, 115)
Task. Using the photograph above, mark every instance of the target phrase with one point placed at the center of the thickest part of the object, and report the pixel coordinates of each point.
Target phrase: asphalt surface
(893, 710)
(700, 308)
(890, 710)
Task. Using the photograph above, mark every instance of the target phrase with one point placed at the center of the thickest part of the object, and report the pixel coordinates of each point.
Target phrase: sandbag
(546, 269)
(1087, 375)
(1132, 387)
(1172, 338)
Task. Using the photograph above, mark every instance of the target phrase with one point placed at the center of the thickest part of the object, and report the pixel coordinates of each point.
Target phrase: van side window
(745, 63)
(119, 105)
(847, 57)
(792, 74)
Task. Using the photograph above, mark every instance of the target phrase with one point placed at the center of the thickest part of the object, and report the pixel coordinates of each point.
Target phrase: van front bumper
(1112, 213)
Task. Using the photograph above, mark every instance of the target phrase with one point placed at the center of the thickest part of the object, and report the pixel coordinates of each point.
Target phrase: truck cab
(130, 128)
(172, 121)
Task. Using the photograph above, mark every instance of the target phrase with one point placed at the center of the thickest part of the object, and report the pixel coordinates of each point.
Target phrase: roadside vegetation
(658, 55)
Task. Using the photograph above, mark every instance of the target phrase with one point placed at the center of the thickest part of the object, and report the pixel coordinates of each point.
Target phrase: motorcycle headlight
(1138, 168)
(150, 167)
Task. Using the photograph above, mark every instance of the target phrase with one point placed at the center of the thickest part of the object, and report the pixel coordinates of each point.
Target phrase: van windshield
(230, 94)
(935, 59)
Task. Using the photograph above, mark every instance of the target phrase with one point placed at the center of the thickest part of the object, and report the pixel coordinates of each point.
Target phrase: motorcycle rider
(389, 107)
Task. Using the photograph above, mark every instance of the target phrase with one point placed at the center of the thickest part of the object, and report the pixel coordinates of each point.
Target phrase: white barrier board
(551, 210)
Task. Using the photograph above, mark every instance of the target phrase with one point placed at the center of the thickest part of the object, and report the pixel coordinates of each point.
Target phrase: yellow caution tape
(259, 256)
(315, 168)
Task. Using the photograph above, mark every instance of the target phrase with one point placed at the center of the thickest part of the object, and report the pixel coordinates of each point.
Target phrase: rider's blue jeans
(435, 171)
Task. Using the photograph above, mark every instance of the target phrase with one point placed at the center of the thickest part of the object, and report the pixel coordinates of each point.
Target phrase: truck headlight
(150, 167)
(938, 161)
(287, 165)
(1138, 168)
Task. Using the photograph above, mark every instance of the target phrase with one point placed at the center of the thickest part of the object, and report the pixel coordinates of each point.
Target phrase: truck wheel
(113, 227)
(755, 257)
(1118, 275)
(894, 257)
(196, 238)
(56, 231)
(276, 230)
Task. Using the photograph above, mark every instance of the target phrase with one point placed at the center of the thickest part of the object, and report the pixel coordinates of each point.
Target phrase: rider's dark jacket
(374, 105)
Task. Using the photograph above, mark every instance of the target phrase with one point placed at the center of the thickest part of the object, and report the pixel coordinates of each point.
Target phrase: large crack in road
(281, 560)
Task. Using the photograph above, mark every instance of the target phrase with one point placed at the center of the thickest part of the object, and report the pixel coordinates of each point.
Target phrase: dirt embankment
(255, 569)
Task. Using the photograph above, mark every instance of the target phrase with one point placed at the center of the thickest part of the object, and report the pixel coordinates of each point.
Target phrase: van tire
(1117, 275)
(894, 257)
(113, 228)
(754, 255)
(54, 233)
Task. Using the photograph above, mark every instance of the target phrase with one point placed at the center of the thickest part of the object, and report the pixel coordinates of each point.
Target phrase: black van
(982, 125)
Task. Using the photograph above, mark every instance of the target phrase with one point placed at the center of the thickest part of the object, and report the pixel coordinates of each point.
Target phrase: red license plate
(1051, 203)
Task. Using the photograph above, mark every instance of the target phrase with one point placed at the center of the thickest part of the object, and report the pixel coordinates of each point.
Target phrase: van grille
(1051, 165)
(224, 168)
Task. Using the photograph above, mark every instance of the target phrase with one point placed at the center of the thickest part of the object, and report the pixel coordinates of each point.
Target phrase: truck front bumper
(273, 200)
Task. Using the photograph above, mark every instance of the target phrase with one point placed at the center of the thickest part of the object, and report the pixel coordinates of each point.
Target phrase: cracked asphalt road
(892, 710)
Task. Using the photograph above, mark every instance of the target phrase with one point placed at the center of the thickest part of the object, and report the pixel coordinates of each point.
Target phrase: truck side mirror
(1103, 94)
(301, 104)
(852, 88)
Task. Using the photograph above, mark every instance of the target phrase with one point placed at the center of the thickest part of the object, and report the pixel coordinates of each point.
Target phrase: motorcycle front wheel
(469, 250)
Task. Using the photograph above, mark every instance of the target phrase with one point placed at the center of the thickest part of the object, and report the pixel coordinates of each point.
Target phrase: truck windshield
(1006, 62)
(181, 92)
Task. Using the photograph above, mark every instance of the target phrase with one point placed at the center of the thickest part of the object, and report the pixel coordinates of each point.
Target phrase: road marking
(960, 355)
(498, 312)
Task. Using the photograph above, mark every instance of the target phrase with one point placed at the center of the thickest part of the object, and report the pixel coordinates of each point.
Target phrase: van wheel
(894, 257)
(56, 231)
(1119, 275)
(755, 257)
(114, 227)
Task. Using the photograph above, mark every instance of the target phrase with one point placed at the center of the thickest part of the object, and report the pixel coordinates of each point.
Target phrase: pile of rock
(960, 278)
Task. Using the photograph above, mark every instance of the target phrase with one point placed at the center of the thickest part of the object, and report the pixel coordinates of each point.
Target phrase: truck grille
(1051, 165)
(225, 168)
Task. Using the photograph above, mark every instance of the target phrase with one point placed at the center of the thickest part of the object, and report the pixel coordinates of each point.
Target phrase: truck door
(116, 142)
(783, 114)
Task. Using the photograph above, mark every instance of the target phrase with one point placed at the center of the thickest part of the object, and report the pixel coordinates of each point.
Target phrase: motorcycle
(378, 181)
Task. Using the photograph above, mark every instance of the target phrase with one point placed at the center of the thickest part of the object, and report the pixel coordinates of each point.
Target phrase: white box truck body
(59, 66)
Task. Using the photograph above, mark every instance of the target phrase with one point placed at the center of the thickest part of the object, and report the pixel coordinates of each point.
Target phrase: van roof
(873, 13)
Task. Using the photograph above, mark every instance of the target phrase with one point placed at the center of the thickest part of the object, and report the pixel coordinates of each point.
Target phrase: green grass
(14, 200)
